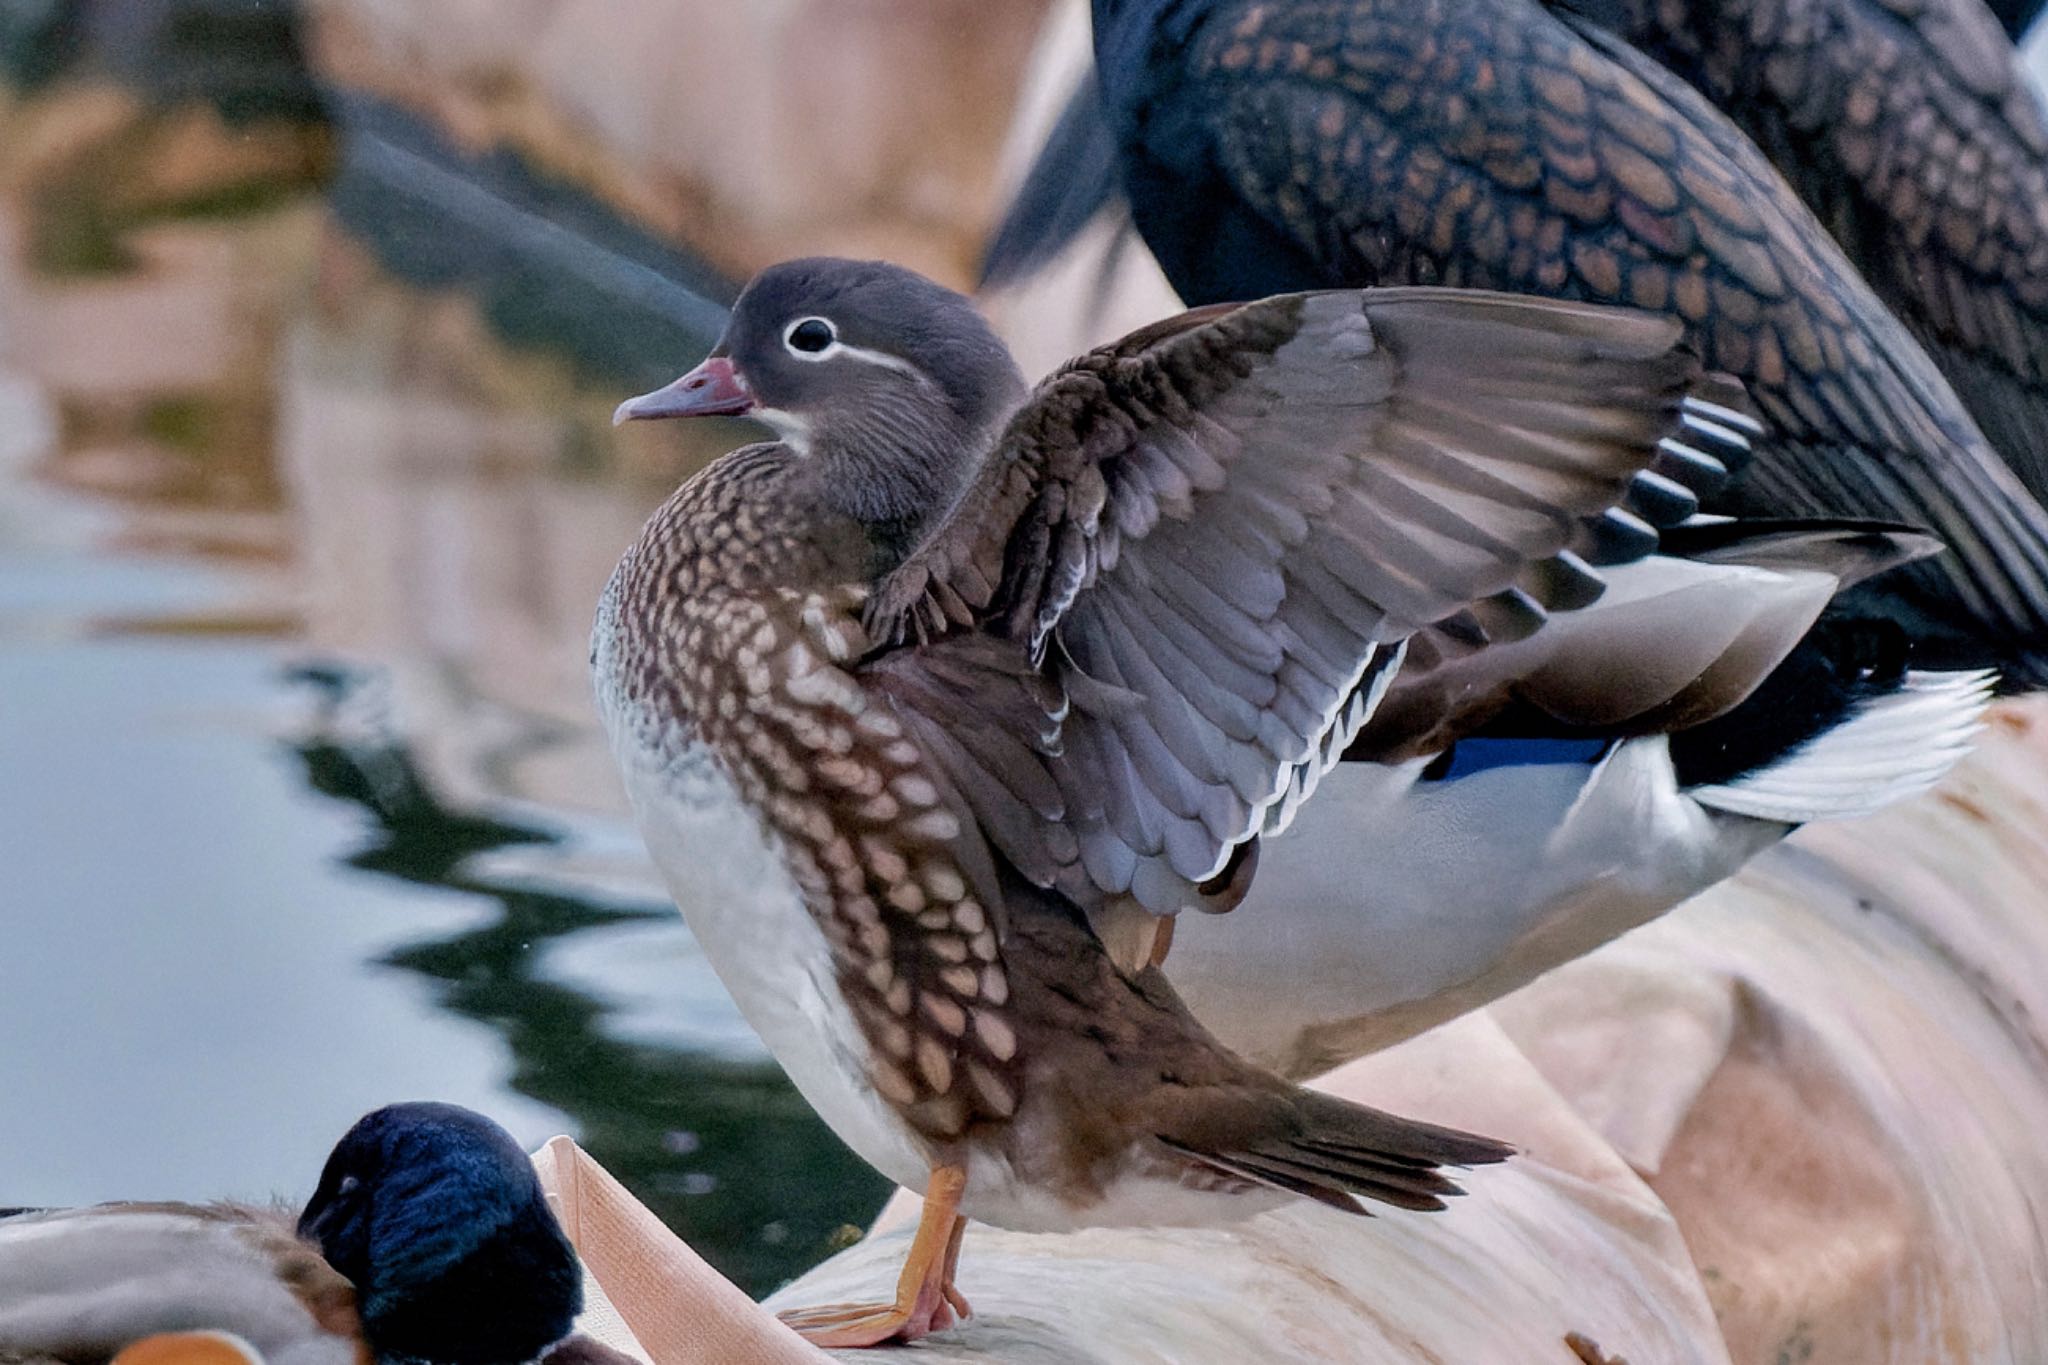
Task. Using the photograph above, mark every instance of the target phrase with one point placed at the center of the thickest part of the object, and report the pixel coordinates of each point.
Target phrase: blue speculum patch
(1470, 756)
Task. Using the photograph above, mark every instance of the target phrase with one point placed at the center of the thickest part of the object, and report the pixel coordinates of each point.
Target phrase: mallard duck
(937, 709)
(1508, 144)
(427, 1239)
(1912, 132)
(1916, 137)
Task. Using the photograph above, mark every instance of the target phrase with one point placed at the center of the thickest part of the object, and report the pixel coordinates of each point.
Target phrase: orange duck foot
(869, 1324)
(926, 1300)
(189, 1348)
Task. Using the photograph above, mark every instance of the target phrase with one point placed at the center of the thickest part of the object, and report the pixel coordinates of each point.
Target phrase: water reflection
(721, 1147)
(285, 375)
(551, 268)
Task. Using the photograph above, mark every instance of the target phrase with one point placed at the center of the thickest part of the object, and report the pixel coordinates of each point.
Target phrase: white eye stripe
(882, 358)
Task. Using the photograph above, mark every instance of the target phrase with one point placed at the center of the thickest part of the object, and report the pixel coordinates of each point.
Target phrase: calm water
(306, 492)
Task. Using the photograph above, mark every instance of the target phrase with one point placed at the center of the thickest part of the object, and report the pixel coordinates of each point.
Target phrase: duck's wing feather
(1677, 640)
(1912, 132)
(1495, 146)
(1071, 180)
(1197, 556)
(79, 1284)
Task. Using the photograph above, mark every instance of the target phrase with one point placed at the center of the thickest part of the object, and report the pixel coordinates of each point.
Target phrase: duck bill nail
(713, 389)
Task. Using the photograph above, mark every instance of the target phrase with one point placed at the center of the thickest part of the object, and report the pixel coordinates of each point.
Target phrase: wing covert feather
(1204, 549)
(1912, 131)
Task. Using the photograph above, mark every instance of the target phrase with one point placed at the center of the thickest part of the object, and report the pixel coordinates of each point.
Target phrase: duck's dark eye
(811, 336)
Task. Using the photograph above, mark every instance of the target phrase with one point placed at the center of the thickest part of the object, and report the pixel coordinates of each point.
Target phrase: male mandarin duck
(935, 710)
(428, 1239)
(1272, 145)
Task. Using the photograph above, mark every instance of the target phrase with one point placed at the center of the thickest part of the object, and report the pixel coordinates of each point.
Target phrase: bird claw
(925, 1301)
(844, 1325)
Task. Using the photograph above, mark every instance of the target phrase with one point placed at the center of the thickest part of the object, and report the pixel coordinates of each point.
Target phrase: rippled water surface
(306, 493)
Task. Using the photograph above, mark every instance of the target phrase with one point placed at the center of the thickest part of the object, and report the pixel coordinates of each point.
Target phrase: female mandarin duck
(428, 1239)
(935, 710)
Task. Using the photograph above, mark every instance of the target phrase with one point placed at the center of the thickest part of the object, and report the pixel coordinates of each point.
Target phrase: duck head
(437, 1217)
(891, 383)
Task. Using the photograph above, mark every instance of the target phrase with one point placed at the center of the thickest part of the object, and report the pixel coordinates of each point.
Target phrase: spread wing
(1488, 144)
(1195, 558)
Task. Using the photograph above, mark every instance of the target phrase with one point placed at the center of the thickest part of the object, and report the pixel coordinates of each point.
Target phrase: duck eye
(810, 336)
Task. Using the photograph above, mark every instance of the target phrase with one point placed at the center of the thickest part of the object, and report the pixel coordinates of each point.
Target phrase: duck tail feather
(1338, 1153)
(1891, 747)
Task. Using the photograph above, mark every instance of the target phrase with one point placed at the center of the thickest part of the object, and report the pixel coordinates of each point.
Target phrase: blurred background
(312, 316)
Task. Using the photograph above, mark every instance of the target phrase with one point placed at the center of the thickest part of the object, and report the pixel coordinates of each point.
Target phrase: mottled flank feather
(871, 828)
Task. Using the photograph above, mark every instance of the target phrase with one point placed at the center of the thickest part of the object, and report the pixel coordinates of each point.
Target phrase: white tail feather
(1890, 748)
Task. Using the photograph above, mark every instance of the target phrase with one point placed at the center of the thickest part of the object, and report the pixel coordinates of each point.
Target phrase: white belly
(728, 878)
(1390, 906)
